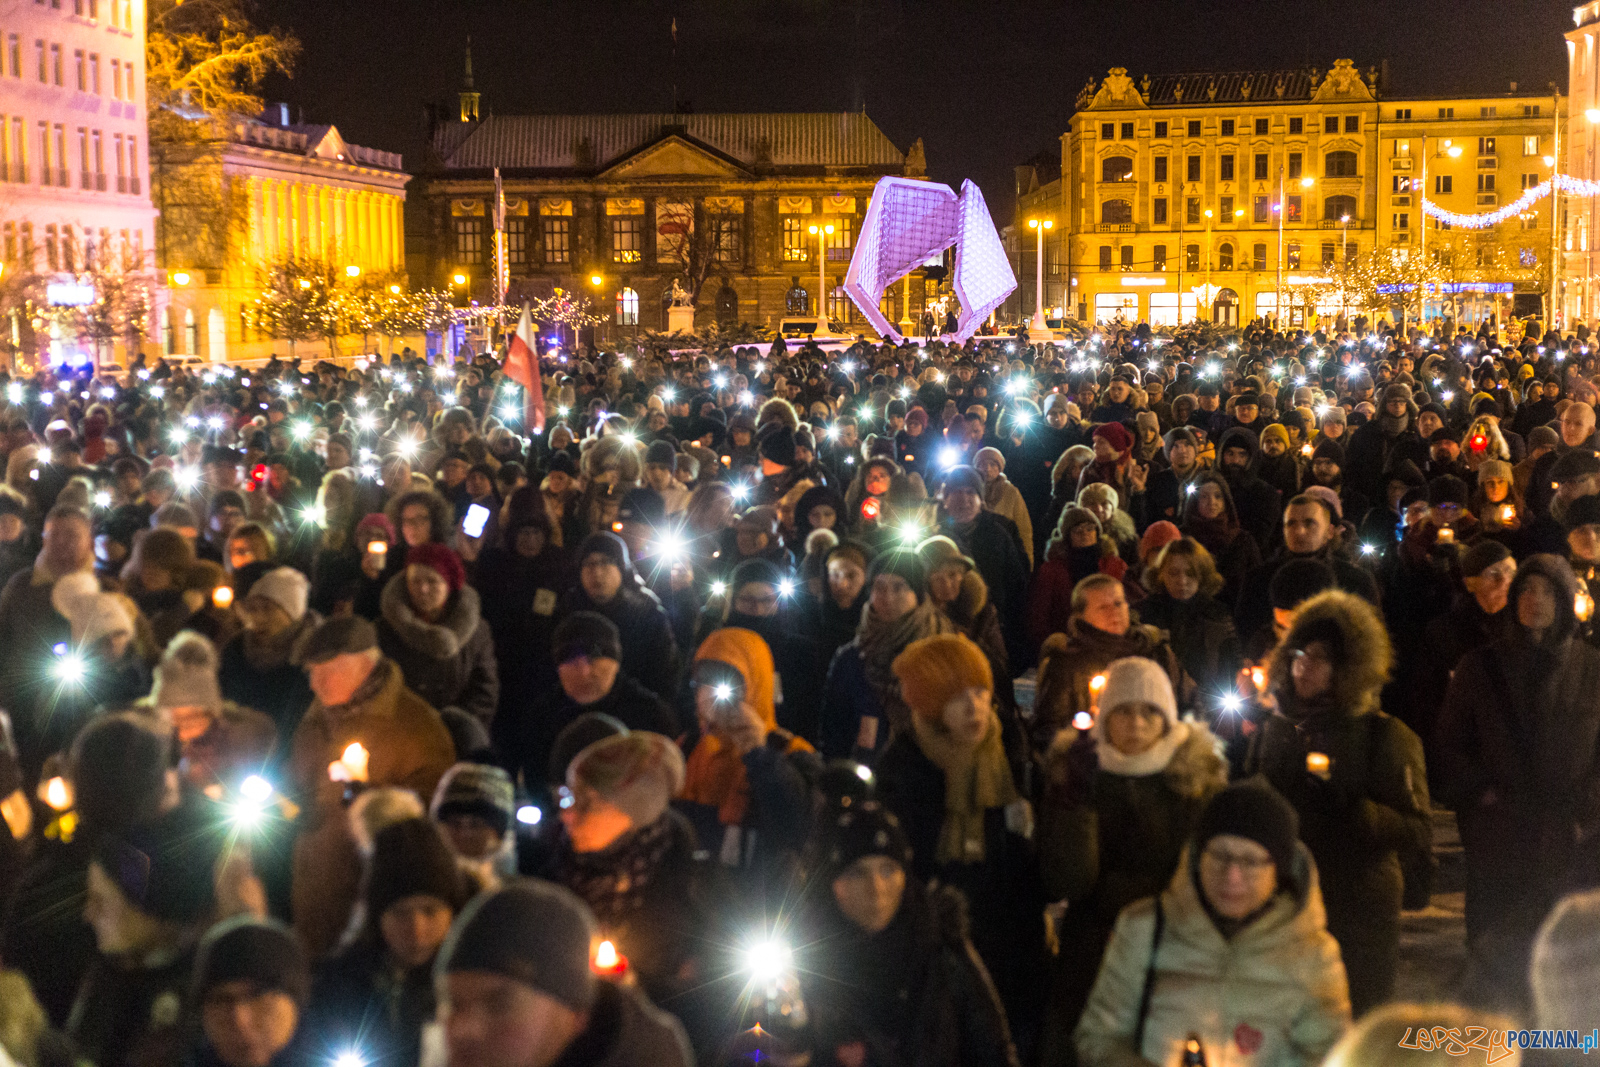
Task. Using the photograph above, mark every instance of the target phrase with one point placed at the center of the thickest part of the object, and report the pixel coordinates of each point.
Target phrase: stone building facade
(619, 207)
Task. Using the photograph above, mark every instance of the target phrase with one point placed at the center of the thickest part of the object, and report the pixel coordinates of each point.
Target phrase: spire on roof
(469, 97)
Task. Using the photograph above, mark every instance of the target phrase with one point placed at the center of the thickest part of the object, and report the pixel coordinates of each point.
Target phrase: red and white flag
(522, 367)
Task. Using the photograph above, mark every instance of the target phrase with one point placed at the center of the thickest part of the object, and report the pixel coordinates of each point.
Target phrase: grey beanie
(533, 932)
(479, 789)
(186, 677)
(285, 587)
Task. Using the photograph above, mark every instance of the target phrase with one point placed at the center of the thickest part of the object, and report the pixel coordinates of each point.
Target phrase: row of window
(725, 235)
(52, 158)
(1225, 257)
(1262, 127)
(1120, 168)
(49, 58)
(68, 248)
(1124, 131)
(1120, 212)
(119, 11)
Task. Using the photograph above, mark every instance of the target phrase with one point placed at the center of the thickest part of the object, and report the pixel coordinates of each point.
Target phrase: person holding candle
(1519, 736)
(360, 699)
(1234, 951)
(1120, 800)
(1356, 777)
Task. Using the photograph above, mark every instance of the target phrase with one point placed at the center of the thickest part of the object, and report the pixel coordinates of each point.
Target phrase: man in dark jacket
(1307, 534)
(1257, 502)
(1166, 489)
(517, 988)
(993, 544)
(1519, 737)
(1354, 775)
(1380, 444)
(607, 585)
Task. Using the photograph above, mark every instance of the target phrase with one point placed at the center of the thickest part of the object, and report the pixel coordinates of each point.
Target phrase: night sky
(987, 84)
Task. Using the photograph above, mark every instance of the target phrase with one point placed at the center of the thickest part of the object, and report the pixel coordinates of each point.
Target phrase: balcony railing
(1115, 227)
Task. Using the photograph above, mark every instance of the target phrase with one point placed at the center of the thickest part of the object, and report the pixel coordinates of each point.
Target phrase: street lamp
(1344, 263)
(1209, 288)
(180, 277)
(1039, 225)
(822, 232)
(352, 271)
(460, 279)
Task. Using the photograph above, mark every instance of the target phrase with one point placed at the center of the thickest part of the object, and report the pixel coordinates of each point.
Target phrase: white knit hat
(1566, 963)
(285, 587)
(72, 592)
(186, 677)
(1137, 680)
(100, 616)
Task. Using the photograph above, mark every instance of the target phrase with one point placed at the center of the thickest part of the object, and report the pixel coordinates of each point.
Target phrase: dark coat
(1259, 505)
(994, 545)
(450, 663)
(1254, 610)
(263, 675)
(629, 703)
(131, 1017)
(626, 1030)
(1069, 660)
(847, 699)
(518, 598)
(1371, 452)
(915, 994)
(1519, 751)
(649, 651)
(1200, 631)
(359, 1001)
(1373, 813)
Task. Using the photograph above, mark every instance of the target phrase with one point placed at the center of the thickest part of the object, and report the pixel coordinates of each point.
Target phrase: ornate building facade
(619, 207)
(1216, 195)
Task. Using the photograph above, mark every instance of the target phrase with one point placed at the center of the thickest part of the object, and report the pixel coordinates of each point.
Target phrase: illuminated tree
(296, 300)
(203, 62)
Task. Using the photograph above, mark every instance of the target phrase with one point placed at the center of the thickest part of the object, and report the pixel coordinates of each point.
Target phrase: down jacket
(450, 663)
(1273, 995)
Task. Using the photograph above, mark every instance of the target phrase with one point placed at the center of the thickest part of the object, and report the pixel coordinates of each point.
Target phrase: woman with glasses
(1355, 776)
(1232, 961)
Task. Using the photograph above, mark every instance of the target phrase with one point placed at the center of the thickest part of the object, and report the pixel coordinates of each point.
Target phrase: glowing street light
(822, 233)
(1040, 226)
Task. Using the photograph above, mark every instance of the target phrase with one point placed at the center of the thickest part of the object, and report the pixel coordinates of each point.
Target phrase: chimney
(283, 114)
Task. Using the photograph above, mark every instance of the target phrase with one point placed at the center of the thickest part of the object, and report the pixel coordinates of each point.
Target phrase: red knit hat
(1116, 435)
(441, 558)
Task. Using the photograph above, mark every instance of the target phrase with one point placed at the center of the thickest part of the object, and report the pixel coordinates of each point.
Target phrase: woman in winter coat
(861, 706)
(1210, 517)
(376, 994)
(1076, 550)
(1234, 953)
(1355, 776)
(1518, 738)
(431, 628)
(947, 779)
(631, 858)
(1121, 799)
(1003, 498)
(889, 975)
(1101, 629)
(837, 615)
(1183, 583)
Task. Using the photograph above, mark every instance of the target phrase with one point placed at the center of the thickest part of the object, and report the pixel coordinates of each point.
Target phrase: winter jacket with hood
(1259, 505)
(1373, 451)
(263, 675)
(1069, 660)
(449, 663)
(1273, 995)
(1050, 594)
(1372, 814)
(1233, 549)
(1519, 752)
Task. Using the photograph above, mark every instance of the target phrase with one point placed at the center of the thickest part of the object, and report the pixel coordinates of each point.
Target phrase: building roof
(1248, 86)
(595, 142)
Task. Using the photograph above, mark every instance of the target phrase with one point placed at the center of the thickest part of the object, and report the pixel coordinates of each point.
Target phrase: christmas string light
(1567, 184)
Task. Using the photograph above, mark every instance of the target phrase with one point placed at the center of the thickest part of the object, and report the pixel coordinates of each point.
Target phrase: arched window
(1116, 169)
(627, 307)
(1337, 207)
(1339, 165)
(1225, 257)
(1116, 211)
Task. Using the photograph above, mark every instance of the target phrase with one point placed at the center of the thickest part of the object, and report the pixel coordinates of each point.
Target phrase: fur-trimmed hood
(441, 640)
(1195, 770)
(1362, 654)
(971, 601)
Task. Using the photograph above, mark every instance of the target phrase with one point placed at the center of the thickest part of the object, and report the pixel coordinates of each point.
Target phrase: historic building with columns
(274, 190)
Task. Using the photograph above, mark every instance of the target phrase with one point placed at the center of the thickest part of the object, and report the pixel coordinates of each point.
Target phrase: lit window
(627, 308)
(627, 239)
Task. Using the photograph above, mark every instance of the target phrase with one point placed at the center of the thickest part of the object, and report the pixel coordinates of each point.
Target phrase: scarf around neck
(976, 778)
(880, 642)
(1152, 760)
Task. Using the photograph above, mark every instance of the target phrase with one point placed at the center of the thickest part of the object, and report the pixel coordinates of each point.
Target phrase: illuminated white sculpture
(909, 222)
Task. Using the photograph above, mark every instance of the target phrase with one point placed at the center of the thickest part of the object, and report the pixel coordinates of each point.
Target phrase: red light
(1478, 442)
(871, 509)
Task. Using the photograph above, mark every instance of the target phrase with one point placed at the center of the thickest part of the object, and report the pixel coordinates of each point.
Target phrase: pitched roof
(1268, 86)
(595, 142)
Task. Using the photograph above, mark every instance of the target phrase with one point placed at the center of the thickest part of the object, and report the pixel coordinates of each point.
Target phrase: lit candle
(1083, 720)
(1318, 763)
(1507, 513)
(57, 793)
(378, 548)
(1258, 678)
(222, 596)
(1584, 606)
(608, 962)
(1096, 685)
(352, 765)
(1447, 536)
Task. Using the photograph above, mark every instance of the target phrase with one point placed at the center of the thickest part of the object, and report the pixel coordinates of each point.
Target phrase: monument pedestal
(680, 320)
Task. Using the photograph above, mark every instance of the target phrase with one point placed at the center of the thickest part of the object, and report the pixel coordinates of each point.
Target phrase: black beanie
(778, 444)
(1483, 555)
(607, 544)
(1297, 581)
(535, 933)
(262, 952)
(1329, 448)
(119, 770)
(758, 569)
(410, 858)
(561, 462)
(586, 633)
(860, 830)
(905, 564)
(1253, 810)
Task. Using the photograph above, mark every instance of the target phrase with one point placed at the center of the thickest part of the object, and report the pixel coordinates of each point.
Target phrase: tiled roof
(1271, 86)
(594, 142)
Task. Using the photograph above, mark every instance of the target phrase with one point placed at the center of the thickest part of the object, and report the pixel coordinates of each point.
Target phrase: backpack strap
(1149, 978)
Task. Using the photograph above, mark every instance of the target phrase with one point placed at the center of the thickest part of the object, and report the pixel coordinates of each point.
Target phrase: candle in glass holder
(1318, 763)
(1447, 536)
(222, 596)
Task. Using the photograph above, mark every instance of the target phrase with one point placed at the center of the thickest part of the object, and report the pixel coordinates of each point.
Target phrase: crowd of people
(1073, 702)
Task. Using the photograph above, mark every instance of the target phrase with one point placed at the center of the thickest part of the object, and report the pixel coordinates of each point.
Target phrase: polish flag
(522, 367)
